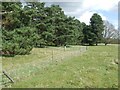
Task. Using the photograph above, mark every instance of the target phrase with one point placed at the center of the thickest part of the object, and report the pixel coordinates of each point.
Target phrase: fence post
(86, 47)
(8, 76)
(64, 48)
(52, 54)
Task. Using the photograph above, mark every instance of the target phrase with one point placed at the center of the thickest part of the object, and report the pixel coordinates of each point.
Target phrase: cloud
(78, 8)
(85, 17)
(67, 6)
(84, 9)
(105, 5)
(85, 5)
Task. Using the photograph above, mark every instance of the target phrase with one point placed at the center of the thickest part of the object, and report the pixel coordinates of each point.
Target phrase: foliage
(97, 26)
(89, 36)
(10, 15)
(18, 41)
(52, 27)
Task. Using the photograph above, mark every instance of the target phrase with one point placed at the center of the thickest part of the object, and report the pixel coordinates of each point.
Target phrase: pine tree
(97, 26)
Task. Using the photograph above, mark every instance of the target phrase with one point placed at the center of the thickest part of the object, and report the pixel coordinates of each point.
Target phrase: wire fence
(56, 56)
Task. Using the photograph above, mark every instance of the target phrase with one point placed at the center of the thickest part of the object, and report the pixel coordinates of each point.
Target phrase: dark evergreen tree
(97, 26)
(89, 36)
(16, 39)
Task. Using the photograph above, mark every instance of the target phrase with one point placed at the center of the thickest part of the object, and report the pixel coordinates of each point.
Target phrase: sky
(84, 9)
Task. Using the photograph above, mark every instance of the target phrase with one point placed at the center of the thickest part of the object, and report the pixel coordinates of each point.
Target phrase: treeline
(34, 25)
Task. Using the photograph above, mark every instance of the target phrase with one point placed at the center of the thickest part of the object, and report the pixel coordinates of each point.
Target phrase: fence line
(54, 58)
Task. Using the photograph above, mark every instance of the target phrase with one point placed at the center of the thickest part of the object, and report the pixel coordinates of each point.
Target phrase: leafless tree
(109, 32)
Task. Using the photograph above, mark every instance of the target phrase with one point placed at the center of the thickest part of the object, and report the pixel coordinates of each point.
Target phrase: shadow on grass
(13, 55)
(95, 45)
(7, 55)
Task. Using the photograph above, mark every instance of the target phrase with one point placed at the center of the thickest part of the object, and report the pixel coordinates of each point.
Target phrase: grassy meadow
(57, 67)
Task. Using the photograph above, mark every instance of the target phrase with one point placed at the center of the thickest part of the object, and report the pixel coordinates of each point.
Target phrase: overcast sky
(84, 9)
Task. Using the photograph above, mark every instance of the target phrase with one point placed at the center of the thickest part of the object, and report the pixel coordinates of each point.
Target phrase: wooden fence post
(8, 76)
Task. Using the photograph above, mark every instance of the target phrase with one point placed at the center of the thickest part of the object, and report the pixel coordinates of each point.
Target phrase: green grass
(68, 69)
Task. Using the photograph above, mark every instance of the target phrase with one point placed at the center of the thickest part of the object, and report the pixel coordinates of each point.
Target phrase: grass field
(54, 67)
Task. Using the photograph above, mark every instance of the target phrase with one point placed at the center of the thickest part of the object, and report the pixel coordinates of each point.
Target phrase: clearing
(59, 67)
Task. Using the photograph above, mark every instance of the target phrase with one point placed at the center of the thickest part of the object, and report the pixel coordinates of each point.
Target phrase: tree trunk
(96, 43)
(105, 44)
